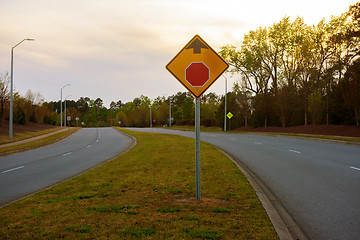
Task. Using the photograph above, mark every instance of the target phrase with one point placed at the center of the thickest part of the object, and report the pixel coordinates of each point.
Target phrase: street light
(61, 118)
(150, 117)
(11, 88)
(169, 110)
(65, 109)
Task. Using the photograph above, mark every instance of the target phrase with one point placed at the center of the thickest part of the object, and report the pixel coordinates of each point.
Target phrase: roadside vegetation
(35, 143)
(147, 193)
(287, 74)
(25, 133)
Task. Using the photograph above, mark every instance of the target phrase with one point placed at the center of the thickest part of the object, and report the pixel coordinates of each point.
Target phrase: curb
(283, 223)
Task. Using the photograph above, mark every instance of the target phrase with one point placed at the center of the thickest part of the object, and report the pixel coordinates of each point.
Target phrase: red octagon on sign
(197, 74)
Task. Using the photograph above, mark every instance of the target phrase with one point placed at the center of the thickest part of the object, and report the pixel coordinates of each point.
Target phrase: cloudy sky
(118, 49)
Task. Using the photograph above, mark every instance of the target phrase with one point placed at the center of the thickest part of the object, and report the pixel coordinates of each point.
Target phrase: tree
(163, 114)
(32, 101)
(4, 94)
(350, 86)
(188, 108)
(209, 105)
(19, 106)
(122, 118)
(98, 103)
(83, 104)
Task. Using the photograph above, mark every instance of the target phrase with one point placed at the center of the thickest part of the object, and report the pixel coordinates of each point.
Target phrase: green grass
(147, 193)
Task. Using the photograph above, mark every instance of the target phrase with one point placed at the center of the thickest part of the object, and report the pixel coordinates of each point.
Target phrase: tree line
(294, 74)
(87, 112)
(288, 74)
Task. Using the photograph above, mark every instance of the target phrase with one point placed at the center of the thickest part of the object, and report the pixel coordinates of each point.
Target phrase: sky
(118, 49)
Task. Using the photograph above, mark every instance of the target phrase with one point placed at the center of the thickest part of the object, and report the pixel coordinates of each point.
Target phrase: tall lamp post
(170, 112)
(150, 117)
(61, 118)
(65, 109)
(11, 88)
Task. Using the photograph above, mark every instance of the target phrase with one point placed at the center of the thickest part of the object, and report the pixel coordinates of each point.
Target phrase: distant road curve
(317, 182)
(27, 172)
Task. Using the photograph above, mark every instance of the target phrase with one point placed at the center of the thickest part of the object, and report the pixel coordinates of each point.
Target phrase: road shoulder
(285, 226)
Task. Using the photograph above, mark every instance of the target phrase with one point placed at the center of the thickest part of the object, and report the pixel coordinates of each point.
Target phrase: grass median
(149, 192)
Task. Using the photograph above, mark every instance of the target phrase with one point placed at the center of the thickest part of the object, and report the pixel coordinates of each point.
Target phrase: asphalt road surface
(27, 172)
(317, 182)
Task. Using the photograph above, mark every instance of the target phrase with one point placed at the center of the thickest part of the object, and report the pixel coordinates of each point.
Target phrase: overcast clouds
(118, 49)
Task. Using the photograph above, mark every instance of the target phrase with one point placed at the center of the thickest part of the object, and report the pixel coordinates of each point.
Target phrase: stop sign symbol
(197, 74)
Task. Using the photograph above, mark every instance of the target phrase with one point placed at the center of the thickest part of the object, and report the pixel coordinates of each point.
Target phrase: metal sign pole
(192, 67)
(197, 148)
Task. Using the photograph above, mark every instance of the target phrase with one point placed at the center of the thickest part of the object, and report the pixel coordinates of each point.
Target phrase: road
(27, 172)
(317, 182)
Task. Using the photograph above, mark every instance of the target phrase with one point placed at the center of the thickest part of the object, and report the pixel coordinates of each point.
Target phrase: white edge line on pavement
(88, 146)
(13, 169)
(355, 168)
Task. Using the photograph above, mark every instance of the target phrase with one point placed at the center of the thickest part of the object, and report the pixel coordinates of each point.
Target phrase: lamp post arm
(26, 39)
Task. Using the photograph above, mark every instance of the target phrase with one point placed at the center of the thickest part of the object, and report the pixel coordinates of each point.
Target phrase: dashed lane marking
(355, 168)
(294, 151)
(12, 169)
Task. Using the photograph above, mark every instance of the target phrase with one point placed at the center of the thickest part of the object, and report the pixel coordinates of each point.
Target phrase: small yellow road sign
(197, 66)
(229, 115)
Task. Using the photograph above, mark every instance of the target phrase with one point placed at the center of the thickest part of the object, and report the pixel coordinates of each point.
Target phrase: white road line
(13, 169)
(97, 140)
(88, 146)
(294, 151)
(355, 168)
(258, 143)
(66, 154)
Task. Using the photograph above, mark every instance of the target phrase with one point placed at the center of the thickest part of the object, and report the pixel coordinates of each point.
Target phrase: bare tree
(4, 94)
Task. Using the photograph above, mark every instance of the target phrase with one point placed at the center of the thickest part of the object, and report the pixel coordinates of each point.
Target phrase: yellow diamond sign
(197, 66)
